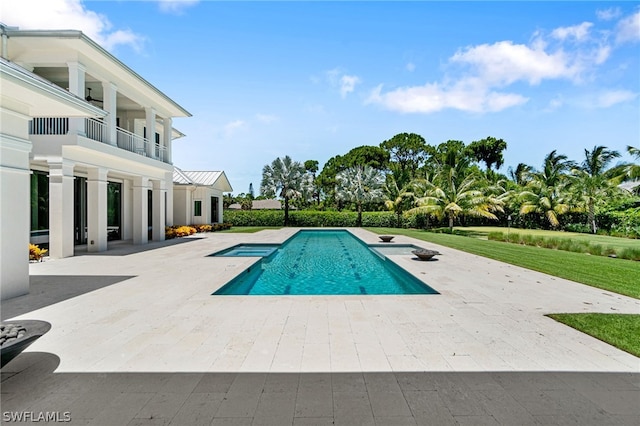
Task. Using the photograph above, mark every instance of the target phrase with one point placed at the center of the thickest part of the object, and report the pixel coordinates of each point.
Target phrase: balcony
(97, 131)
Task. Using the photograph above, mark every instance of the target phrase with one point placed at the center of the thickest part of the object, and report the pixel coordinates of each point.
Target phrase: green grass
(616, 275)
(249, 229)
(619, 330)
(616, 243)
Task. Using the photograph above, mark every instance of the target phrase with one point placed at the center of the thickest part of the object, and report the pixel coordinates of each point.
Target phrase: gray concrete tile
(181, 383)
(395, 421)
(282, 382)
(313, 421)
(427, 408)
(388, 404)
(122, 409)
(352, 406)
(232, 421)
(215, 382)
(624, 402)
(275, 408)
(485, 420)
(199, 409)
(162, 405)
(348, 382)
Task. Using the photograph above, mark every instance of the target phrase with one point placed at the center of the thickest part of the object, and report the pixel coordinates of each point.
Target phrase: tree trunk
(359, 223)
(451, 223)
(592, 216)
(398, 224)
(286, 211)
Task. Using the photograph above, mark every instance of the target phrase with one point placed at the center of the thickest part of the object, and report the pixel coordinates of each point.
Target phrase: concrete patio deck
(480, 352)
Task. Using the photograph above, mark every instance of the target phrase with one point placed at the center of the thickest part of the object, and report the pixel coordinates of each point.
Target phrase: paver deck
(480, 352)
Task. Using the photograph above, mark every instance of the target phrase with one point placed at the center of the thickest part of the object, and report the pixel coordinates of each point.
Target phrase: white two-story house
(101, 178)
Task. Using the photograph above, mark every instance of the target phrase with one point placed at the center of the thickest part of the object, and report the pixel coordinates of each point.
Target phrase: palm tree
(359, 184)
(284, 177)
(398, 199)
(449, 195)
(546, 190)
(633, 170)
(550, 201)
(592, 182)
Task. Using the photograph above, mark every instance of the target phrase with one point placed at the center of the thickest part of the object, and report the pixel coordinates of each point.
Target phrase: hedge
(313, 218)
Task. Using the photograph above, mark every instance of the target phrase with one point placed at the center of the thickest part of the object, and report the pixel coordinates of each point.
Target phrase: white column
(61, 203)
(97, 210)
(151, 132)
(140, 210)
(109, 97)
(15, 195)
(168, 128)
(77, 87)
(221, 207)
(127, 210)
(159, 219)
(169, 208)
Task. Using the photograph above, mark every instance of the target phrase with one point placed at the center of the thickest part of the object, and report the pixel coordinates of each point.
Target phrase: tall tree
(360, 185)
(284, 179)
(311, 166)
(407, 151)
(489, 151)
(365, 155)
(592, 182)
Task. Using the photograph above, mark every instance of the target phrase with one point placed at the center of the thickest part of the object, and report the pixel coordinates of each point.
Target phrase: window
(197, 208)
(39, 201)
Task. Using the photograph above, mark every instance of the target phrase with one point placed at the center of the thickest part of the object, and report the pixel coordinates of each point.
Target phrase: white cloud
(628, 29)
(503, 63)
(478, 76)
(465, 95)
(613, 97)
(176, 6)
(608, 14)
(231, 127)
(66, 15)
(345, 83)
(266, 118)
(577, 32)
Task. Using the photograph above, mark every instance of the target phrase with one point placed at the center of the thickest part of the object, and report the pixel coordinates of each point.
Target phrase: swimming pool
(321, 263)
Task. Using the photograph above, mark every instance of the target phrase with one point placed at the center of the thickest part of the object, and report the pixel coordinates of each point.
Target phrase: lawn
(617, 275)
(619, 330)
(603, 240)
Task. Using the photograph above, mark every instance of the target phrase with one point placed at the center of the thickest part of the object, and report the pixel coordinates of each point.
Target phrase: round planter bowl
(424, 254)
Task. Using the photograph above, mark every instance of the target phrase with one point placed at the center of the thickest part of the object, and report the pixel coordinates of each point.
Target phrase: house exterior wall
(184, 198)
(14, 204)
(112, 149)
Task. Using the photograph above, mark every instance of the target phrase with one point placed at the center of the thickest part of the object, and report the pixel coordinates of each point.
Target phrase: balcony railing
(131, 141)
(49, 126)
(97, 131)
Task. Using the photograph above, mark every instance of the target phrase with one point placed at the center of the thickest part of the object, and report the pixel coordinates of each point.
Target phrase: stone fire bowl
(424, 254)
(15, 336)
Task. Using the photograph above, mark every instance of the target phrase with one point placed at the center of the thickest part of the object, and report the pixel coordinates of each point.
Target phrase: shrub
(36, 253)
(630, 253)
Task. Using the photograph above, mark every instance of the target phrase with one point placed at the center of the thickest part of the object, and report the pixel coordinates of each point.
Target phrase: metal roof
(202, 178)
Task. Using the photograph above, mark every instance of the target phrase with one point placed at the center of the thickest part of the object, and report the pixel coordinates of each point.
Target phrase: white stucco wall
(15, 197)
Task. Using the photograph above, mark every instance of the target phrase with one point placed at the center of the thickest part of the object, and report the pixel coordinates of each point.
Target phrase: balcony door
(215, 215)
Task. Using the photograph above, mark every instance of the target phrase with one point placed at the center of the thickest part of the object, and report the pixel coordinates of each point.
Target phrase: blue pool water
(322, 263)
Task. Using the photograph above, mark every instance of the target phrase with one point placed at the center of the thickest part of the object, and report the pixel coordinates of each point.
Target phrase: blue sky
(316, 79)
